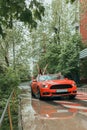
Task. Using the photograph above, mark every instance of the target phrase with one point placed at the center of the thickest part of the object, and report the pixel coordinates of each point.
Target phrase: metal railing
(7, 108)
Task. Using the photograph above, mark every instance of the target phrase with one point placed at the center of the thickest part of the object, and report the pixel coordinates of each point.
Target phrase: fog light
(46, 93)
(74, 91)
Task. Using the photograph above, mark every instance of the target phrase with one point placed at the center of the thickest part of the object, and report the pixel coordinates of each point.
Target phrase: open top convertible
(51, 85)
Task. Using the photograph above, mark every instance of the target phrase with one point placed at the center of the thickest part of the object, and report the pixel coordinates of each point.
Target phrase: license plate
(61, 90)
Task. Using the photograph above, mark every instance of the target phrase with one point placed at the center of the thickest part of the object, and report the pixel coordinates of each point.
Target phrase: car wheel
(72, 97)
(37, 94)
(32, 94)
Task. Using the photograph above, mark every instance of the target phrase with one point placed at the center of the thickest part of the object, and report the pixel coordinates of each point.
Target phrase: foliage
(64, 57)
(63, 25)
(13, 52)
(69, 57)
(50, 57)
(23, 71)
(83, 71)
(59, 43)
(35, 71)
(72, 1)
(55, 28)
(13, 10)
(9, 80)
(13, 107)
(8, 45)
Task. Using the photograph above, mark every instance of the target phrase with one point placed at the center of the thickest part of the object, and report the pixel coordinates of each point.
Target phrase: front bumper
(55, 93)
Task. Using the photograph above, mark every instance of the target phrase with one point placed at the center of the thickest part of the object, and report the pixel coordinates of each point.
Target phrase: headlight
(44, 86)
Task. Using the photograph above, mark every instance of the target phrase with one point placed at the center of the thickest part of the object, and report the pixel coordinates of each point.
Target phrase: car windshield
(47, 77)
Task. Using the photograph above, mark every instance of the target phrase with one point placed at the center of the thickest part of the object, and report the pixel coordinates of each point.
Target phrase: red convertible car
(51, 86)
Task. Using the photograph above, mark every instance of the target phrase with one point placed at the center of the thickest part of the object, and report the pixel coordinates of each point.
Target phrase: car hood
(61, 81)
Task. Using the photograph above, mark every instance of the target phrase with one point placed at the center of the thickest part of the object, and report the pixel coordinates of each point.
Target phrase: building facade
(83, 20)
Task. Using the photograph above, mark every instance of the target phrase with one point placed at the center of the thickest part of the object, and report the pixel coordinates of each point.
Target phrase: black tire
(32, 93)
(38, 95)
(72, 97)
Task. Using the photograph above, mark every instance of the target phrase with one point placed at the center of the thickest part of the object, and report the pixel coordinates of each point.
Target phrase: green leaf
(26, 16)
(1, 32)
(37, 14)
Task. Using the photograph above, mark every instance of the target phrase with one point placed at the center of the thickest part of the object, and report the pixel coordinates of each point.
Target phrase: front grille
(61, 93)
(61, 86)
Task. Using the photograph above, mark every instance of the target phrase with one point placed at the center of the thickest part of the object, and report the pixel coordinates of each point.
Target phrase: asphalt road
(56, 114)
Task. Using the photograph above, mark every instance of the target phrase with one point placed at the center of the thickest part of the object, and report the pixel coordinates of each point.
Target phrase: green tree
(64, 58)
(48, 46)
(11, 68)
(63, 21)
(19, 10)
(72, 1)
(9, 45)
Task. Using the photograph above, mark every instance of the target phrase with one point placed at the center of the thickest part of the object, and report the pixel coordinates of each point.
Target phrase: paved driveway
(52, 114)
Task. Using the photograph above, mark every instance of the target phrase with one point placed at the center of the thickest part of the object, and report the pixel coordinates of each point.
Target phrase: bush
(9, 80)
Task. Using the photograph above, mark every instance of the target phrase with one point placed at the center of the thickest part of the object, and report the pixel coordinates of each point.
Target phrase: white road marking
(61, 111)
(62, 102)
(84, 113)
(47, 115)
(76, 107)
